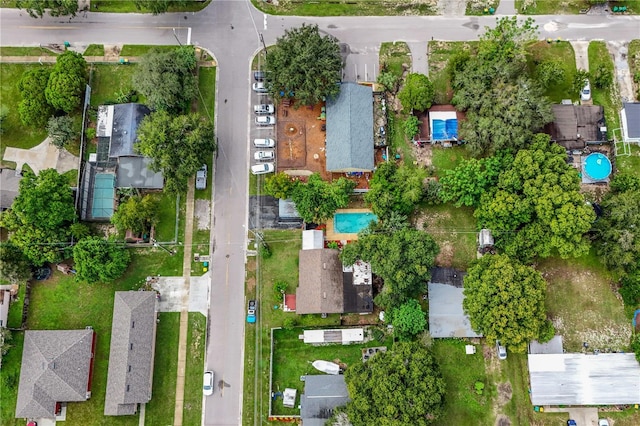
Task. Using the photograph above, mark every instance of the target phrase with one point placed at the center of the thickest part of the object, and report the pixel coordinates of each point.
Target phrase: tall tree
(67, 82)
(61, 130)
(402, 258)
(505, 300)
(317, 200)
(37, 8)
(99, 260)
(417, 92)
(395, 188)
(137, 213)
(304, 63)
(40, 216)
(167, 79)
(536, 207)
(34, 109)
(176, 146)
(408, 320)
(403, 386)
(14, 267)
(279, 185)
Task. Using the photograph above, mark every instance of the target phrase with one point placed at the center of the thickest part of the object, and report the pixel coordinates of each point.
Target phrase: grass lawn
(447, 158)
(454, 229)
(439, 54)
(631, 163)
(207, 86)
(166, 227)
(107, 80)
(141, 49)
(256, 184)
(395, 57)
(94, 50)
(594, 314)
(608, 98)
(633, 57)
(563, 53)
(478, 8)
(128, 6)
(192, 411)
(254, 390)
(16, 134)
(25, 51)
(161, 408)
(345, 8)
(14, 319)
(550, 7)
(9, 379)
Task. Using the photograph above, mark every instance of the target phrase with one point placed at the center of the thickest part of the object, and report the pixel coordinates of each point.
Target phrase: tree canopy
(137, 213)
(505, 300)
(166, 78)
(305, 65)
(317, 200)
(408, 320)
(395, 188)
(403, 386)
(37, 8)
(99, 260)
(34, 109)
(40, 216)
(279, 185)
(61, 130)
(176, 145)
(14, 267)
(67, 82)
(402, 258)
(417, 92)
(536, 207)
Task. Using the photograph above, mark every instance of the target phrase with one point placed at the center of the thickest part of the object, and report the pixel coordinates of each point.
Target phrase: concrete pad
(41, 157)
(587, 416)
(582, 55)
(199, 294)
(172, 290)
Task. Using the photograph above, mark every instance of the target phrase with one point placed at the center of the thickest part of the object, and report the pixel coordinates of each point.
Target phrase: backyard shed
(584, 379)
(349, 143)
(446, 315)
(289, 397)
(312, 239)
(630, 116)
(322, 394)
(345, 336)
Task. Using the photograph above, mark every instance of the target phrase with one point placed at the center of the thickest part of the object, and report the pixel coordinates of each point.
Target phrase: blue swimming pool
(597, 166)
(352, 223)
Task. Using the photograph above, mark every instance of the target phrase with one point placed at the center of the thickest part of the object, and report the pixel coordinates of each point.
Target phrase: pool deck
(331, 235)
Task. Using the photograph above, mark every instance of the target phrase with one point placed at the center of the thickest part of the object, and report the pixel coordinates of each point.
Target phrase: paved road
(230, 30)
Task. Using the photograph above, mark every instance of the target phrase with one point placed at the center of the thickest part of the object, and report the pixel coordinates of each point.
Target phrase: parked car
(585, 93)
(264, 155)
(501, 350)
(207, 386)
(251, 311)
(201, 177)
(264, 143)
(603, 422)
(264, 109)
(259, 75)
(266, 120)
(259, 87)
(571, 422)
(260, 169)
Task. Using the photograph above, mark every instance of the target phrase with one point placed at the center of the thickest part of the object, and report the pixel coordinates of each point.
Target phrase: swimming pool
(597, 166)
(352, 223)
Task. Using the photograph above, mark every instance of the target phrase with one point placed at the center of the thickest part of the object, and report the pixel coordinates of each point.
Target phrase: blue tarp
(444, 130)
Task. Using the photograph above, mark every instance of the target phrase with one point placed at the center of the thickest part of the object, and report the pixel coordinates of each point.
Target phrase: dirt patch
(112, 50)
(445, 257)
(203, 214)
(505, 392)
(452, 7)
(292, 145)
(251, 284)
(503, 420)
(423, 155)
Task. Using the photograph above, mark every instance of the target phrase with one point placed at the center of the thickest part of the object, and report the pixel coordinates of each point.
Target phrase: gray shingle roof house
(350, 130)
(576, 125)
(322, 393)
(133, 337)
(9, 187)
(630, 115)
(56, 367)
(326, 287)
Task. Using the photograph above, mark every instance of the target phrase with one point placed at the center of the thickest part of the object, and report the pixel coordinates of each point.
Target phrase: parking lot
(263, 128)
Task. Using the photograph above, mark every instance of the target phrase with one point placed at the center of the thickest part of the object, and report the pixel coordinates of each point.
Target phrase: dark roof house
(350, 130)
(630, 115)
(322, 394)
(133, 336)
(56, 367)
(574, 126)
(326, 287)
(9, 187)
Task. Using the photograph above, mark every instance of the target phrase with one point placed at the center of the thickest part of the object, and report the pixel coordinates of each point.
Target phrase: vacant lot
(108, 81)
(395, 57)
(563, 53)
(439, 54)
(608, 96)
(192, 411)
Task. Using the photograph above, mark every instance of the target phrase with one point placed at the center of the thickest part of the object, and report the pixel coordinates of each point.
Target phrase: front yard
(606, 97)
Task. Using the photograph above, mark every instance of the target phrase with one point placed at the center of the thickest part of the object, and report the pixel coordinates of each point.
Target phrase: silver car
(261, 169)
(265, 120)
(261, 109)
(264, 143)
(264, 155)
(259, 87)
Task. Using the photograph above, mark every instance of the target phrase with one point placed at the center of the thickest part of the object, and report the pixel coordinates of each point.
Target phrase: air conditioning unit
(93, 157)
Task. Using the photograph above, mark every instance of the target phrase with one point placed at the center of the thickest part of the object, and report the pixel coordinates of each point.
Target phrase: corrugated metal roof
(632, 119)
(580, 379)
(322, 393)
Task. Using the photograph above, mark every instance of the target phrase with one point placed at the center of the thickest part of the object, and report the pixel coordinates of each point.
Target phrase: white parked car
(201, 177)
(265, 120)
(501, 350)
(260, 169)
(264, 155)
(264, 143)
(259, 87)
(207, 386)
(585, 93)
(603, 422)
(264, 109)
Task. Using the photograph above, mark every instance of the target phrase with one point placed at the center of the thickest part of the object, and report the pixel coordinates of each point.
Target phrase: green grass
(207, 86)
(250, 395)
(439, 54)
(128, 6)
(447, 158)
(394, 56)
(166, 227)
(633, 58)
(72, 176)
(94, 50)
(161, 408)
(14, 319)
(477, 9)
(25, 51)
(141, 49)
(608, 97)
(9, 379)
(345, 8)
(630, 164)
(256, 184)
(109, 79)
(594, 313)
(463, 406)
(563, 53)
(550, 7)
(192, 411)
(16, 134)
(454, 229)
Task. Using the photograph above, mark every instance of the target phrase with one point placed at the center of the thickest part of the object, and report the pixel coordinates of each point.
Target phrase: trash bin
(206, 264)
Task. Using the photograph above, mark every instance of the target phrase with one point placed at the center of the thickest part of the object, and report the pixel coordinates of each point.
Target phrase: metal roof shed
(580, 379)
(630, 115)
(322, 393)
(312, 239)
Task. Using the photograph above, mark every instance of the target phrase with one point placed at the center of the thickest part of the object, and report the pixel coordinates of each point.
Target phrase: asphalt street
(230, 30)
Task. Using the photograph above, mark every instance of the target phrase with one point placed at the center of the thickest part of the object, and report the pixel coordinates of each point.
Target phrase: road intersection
(231, 30)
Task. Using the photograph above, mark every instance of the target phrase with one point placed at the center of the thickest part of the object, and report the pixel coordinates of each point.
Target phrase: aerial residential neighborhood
(320, 213)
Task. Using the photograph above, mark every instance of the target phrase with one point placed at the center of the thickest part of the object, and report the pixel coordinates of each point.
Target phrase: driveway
(619, 51)
(584, 416)
(172, 289)
(42, 157)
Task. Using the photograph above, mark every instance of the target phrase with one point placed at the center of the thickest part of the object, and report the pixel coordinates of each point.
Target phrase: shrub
(602, 76)
(635, 345)
(479, 387)
(279, 289)
(61, 130)
(411, 126)
(630, 290)
(547, 331)
(264, 251)
(91, 133)
(288, 323)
